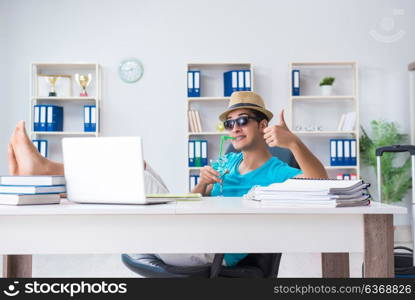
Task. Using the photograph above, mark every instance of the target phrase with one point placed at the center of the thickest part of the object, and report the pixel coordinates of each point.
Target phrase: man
(246, 119)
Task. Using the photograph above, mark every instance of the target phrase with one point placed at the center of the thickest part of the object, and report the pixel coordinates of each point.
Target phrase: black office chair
(254, 265)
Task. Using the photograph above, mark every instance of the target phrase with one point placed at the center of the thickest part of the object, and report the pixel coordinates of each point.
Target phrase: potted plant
(396, 181)
(326, 85)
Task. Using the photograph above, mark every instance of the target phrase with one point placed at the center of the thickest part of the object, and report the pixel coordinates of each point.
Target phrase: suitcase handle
(396, 148)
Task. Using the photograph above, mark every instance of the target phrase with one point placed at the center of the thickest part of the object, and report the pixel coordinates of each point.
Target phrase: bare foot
(13, 167)
(28, 159)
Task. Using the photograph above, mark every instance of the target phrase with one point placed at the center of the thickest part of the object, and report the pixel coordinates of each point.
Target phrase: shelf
(324, 133)
(324, 63)
(323, 97)
(64, 133)
(208, 133)
(194, 168)
(340, 167)
(66, 98)
(201, 99)
(66, 65)
(218, 64)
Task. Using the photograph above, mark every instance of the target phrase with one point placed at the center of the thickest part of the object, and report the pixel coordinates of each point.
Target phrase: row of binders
(312, 193)
(41, 146)
(198, 153)
(25, 190)
(233, 81)
(193, 181)
(90, 122)
(48, 118)
(194, 121)
(343, 152)
(236, 80)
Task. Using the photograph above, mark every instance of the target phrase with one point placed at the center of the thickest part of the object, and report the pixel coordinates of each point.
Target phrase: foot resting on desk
(24, 159)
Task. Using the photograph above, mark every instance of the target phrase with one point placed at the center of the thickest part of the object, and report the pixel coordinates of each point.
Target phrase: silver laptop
(105, 170)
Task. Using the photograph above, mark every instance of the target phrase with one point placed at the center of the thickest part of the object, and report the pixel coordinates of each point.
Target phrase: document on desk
(177, 197)
(312, 192)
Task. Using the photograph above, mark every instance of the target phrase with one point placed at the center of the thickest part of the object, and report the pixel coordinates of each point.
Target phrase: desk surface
(208, 205)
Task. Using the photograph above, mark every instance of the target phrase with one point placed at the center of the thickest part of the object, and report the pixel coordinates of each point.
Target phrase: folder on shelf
(247, 80)
(54, 118)
(190, 88)
(340, 153)
(87, 118)
(196, 84)
(204, 144)
(93, 118)
(198, 123)
(230, 82)
(191, 152)
(43, 118)
(347, 159)
(191, 123)
(353, 151)
(192, 182)
(198, 153)
(241, 80)
(333, 152)
(41, 146)
(36, 117)
(295, 83)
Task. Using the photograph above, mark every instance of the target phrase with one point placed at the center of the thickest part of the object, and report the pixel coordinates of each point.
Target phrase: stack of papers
(25, 190)
(312, 192)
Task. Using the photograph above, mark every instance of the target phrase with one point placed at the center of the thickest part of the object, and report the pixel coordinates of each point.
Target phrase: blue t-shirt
(236, 185)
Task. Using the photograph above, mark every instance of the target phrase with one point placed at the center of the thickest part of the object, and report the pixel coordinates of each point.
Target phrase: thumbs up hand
(279, 135)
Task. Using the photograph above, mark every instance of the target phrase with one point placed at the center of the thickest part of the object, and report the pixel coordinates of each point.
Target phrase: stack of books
(312, 193)
(24, 190)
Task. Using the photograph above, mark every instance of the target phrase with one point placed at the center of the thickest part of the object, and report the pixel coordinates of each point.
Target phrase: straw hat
(246, 99)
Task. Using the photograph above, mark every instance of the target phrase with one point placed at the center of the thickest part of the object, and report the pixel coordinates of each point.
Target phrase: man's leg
(24, 159)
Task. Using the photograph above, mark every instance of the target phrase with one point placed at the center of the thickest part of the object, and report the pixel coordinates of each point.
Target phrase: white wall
(167, 34)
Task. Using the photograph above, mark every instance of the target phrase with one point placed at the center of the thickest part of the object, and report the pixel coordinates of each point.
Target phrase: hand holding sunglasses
(279, 135)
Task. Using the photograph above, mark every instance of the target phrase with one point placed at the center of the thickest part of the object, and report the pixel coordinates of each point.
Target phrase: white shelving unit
(210, 104)
(411, 70)
(72, 102)
(313, 105)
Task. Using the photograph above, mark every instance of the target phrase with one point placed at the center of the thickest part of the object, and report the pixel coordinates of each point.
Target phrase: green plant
(327, 81)
(396, 181)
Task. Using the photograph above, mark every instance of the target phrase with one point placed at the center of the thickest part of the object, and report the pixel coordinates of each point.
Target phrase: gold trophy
(52, 81)
(83, 81)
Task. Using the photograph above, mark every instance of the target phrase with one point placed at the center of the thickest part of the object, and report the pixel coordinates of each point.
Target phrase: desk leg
(378, 255)
(17, 266)
(335, 265)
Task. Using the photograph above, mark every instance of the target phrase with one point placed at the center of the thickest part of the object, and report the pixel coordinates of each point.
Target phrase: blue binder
(43, 118)
(36, 117)
(346, 147)
(353, 151)
(295, 82)
(340, 152)
(196, 84)
(54, 118)
(190, 88)
(204, 144)
(248, 80)
(241, 80)
(41, 146)
(93, 118)
(191, 153)
(193, 83)
(230, 82)
(87, 118)
(333, 152)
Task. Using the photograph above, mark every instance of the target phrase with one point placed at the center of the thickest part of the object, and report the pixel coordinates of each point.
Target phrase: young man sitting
(246, 119)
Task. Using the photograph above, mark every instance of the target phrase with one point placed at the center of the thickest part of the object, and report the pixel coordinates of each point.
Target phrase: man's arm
(208, 177)
(204, 189)
(308, 162)
(280, 135)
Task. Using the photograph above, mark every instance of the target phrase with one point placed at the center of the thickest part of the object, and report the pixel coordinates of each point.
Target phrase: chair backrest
(282, 154)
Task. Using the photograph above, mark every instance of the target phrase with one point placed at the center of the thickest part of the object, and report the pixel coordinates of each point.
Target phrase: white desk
(215, 225)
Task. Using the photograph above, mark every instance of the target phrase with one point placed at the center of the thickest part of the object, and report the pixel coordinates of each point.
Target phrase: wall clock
(130, 70)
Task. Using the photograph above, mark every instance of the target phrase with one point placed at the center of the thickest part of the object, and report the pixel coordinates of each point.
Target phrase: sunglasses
(240, 121)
